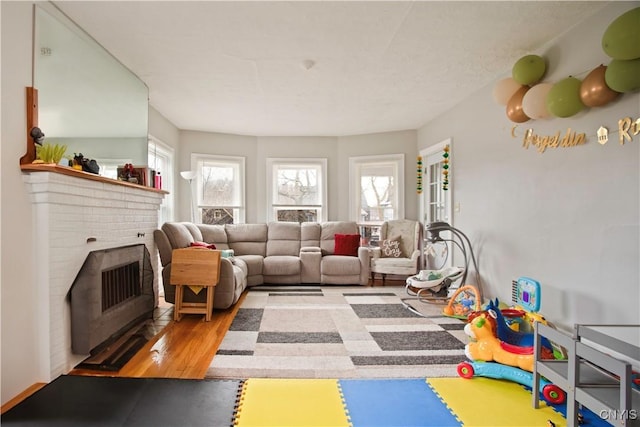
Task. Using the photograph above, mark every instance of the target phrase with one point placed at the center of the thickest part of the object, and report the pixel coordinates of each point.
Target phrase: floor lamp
(189, 176)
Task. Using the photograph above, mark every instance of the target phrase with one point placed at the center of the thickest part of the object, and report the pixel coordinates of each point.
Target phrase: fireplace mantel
(64, 170)
(74, 213)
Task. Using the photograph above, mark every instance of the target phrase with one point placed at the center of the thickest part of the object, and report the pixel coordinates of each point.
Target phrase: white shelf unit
(596, 372)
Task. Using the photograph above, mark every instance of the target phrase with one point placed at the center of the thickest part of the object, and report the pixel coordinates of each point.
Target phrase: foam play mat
(443, 402)
(386, 402)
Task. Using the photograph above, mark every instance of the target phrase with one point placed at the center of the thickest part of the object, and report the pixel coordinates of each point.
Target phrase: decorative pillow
(346, 244)
(203, 245)
(391, 247)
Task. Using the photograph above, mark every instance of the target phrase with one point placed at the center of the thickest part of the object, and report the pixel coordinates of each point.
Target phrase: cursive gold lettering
(570, 139)
(627, 128)
(623, 130)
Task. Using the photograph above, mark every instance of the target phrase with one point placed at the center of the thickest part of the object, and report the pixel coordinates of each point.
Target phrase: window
(376, 188)
(219, 195)
(161, 161)
(297, 190)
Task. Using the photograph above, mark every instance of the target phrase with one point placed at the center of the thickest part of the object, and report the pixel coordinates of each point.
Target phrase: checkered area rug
(338, 332)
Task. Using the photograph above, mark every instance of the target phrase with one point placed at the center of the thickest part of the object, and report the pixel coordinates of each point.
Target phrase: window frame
(273, 163)
(234, 161)
(355, 177)
(167, 207)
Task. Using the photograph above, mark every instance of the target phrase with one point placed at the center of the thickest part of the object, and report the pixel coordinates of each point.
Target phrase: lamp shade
(188, 175)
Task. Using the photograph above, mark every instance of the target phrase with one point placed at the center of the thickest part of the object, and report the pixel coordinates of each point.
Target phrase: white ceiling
(239, 67)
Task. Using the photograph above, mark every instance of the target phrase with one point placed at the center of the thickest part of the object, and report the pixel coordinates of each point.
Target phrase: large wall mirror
(87, 99)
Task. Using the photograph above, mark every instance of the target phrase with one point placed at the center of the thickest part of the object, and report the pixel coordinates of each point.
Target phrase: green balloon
(623, 76)
(528, 70)
(621, 39)
(563, 100)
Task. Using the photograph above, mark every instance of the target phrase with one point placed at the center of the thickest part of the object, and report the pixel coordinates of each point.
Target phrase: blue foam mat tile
(397, 402)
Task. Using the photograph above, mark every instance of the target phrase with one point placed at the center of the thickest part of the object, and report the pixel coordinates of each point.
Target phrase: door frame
(423, 198)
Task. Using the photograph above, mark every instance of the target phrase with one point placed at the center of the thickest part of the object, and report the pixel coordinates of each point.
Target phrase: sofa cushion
(392, 247)
(283, 238)
(330, 229)
(253, 263)
(339, 265)
(410, 230)
(346, 244)
(214, 234)
(281, 265)
(178, 234)
(247, 239)
(310, 234)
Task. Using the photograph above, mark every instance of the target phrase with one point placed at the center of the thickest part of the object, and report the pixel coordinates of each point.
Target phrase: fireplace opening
(112, 292)
(119, 284)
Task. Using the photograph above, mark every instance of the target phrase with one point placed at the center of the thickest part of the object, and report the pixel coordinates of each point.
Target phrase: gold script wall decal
(627, 128)
(542, 142)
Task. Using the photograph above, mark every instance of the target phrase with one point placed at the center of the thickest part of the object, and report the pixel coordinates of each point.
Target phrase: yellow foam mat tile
(490, 402)
(291, 402)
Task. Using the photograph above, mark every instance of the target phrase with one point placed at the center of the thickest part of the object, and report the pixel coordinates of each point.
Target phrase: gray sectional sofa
(274, 253)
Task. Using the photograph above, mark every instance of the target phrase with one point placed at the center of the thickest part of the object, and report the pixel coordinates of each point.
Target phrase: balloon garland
(419, 176)
(526, 98)
(445, 168)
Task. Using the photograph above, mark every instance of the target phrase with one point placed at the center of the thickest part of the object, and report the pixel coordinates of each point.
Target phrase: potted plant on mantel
(50, 154)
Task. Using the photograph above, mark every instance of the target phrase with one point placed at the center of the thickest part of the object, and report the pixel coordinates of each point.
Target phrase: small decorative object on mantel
(133, 174)
(445, 168)
(88, 165)
(49, 153)
(419, 176)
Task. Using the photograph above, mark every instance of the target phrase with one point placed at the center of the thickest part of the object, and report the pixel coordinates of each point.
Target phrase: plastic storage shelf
(597, 371)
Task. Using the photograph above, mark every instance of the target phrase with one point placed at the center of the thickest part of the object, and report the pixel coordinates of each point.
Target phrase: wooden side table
(194, 267)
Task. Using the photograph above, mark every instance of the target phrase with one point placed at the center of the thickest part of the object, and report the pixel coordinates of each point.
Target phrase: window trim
(276, 161)
(355, 164)
(236, 160)
(168, 183)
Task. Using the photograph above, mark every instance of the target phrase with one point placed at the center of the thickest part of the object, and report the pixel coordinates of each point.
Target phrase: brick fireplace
(73, 217)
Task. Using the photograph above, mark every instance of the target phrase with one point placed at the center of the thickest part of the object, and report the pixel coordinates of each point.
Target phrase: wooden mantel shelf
(65, 170)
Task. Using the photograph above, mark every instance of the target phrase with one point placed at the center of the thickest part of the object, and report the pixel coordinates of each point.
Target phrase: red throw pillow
(347, 244)
(203, 245)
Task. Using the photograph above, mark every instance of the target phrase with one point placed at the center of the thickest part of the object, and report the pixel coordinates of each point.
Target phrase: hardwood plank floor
(184, 349)
(181, 349)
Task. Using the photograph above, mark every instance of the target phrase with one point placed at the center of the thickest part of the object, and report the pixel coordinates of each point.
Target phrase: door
(435, 203)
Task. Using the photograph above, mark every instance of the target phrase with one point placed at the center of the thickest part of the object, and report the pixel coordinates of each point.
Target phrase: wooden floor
(181, 349)
(185, 349)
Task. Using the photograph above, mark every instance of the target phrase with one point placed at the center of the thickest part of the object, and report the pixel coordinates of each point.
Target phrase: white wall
(21, 342)
(567, 217)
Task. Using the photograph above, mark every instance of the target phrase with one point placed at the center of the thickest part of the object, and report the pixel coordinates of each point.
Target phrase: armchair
(400, 249)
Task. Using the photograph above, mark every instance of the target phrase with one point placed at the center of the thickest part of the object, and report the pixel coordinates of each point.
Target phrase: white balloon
(504, 90)
(534, 102)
